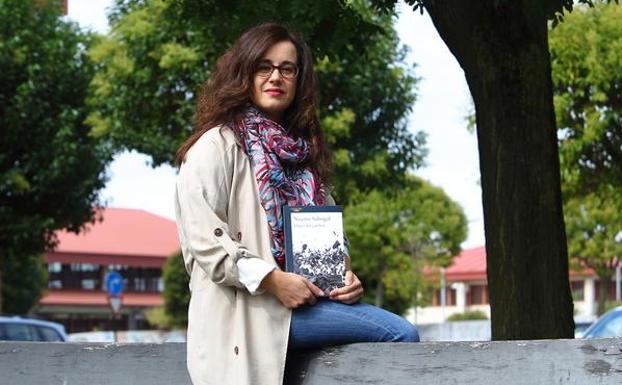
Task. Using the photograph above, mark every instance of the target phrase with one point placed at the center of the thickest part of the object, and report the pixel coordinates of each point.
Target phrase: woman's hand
(291, 289)
(351, 292)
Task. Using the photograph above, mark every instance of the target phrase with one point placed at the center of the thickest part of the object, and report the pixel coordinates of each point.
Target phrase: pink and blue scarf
(278, 160)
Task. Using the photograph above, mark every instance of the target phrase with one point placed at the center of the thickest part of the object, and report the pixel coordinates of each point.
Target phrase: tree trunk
(503, 48)
(605, 282)
(0, 288)
(379, 300)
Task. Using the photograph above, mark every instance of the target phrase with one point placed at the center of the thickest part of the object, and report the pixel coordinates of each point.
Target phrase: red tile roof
(469, 265)
(126, 232)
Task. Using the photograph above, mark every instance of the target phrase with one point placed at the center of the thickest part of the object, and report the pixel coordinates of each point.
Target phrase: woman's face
(274, 88)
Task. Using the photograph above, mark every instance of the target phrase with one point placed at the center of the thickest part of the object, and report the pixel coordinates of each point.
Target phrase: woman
(257, 147)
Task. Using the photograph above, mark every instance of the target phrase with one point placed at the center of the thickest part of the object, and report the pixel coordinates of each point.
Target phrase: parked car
(608, 325)
(28, 329)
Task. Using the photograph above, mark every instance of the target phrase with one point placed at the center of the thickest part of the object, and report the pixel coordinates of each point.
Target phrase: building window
(611, 292)
(478, 295)
(84, 267)
(577, 290)
(140, 284)
(54, 267)
(160, 285)
(88, 284)
(89, 267)
(74, 276)
(450, 297)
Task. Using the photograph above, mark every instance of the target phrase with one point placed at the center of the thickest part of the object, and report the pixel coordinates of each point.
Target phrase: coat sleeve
(201, 200)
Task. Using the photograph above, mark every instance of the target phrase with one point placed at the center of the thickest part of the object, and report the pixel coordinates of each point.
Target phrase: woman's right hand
(291, 289)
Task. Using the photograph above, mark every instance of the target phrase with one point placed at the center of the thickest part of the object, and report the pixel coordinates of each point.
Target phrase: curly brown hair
(227, 92)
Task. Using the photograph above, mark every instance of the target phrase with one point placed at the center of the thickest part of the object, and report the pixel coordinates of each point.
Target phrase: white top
(252, 271)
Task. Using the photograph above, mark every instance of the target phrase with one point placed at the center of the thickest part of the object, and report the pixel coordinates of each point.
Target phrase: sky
(443, 101)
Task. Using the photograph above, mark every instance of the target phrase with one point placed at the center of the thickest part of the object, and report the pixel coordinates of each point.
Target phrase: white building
(466, 289)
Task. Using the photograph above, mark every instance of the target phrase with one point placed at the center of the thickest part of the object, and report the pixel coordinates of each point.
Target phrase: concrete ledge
(546, 362)
(77, 363)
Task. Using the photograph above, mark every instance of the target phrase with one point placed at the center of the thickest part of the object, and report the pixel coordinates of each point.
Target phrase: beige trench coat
(234, 338)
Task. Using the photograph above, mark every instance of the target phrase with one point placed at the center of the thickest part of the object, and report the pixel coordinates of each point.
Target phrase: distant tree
(594, 227)
(158, 53)
(587, 77)
(24, 279)
(502, 47)
(51, 167)
(586, 57)
(176, 293)
(394, 236)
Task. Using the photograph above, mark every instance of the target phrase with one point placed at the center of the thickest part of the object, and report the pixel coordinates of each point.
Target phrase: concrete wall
(51, 363)
(456, 331)
(560, 362)
(437, 314)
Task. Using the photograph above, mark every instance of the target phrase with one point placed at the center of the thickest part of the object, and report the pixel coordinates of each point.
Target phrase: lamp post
(618, 279)
(443, 294)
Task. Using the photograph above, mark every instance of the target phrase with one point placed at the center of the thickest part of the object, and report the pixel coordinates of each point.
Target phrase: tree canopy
(176, 294)
(586, 59)
(396, 237)
(594, 226)
(157, 54)
(174, 313)
(24, 277)
(586, 62)
(556, 10)
(50, 167)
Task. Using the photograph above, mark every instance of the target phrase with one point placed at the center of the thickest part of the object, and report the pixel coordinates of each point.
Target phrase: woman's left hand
(351, 292)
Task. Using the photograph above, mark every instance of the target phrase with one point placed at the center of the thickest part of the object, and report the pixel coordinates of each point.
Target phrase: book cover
(314, 244)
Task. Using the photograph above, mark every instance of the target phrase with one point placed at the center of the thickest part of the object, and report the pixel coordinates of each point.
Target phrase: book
(315, 244)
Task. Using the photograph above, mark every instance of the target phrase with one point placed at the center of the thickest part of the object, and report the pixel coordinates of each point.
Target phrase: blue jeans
(334, 323)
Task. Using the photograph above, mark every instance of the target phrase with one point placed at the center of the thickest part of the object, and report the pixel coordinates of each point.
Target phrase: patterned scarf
(276, 158)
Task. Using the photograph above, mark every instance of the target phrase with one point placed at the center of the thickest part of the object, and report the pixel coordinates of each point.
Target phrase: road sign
(114, 284)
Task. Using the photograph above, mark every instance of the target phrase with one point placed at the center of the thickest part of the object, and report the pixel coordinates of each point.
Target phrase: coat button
(239, 236)
(235, 350)
(218, 232)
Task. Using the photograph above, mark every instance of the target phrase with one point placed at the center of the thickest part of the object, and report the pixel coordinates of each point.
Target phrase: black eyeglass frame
(277, 67)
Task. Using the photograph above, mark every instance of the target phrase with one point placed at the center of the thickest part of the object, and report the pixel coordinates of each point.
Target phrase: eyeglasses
(287, 70)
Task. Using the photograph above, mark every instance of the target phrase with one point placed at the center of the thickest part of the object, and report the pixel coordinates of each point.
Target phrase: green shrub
(468, 316)
(610, 305)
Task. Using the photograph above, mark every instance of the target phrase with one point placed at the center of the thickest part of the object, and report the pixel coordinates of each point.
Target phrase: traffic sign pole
(114, 287)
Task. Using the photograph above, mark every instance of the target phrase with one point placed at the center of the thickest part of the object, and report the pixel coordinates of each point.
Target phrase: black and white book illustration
(314, 244)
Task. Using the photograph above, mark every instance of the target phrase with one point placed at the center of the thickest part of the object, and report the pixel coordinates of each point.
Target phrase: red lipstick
(274, 91)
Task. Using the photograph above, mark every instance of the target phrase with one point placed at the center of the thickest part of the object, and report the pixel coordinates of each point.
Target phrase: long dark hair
(227, 92)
